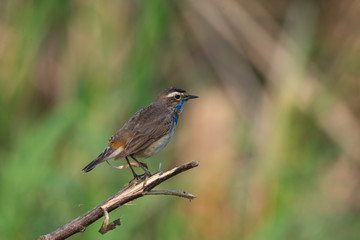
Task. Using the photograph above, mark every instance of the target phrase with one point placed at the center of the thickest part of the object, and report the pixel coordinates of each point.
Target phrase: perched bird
(147, 131)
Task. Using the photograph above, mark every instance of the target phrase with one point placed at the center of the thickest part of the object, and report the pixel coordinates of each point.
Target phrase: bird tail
(101, 158)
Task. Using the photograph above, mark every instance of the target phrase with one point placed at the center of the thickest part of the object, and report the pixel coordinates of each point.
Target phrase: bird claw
(137, 178)
(141, 177)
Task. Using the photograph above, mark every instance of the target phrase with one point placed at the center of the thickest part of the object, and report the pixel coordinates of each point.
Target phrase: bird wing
(142, 129)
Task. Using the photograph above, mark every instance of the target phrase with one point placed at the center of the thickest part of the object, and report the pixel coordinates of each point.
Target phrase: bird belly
(156, 146)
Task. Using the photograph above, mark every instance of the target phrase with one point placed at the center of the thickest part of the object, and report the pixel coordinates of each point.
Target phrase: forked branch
(135, 190)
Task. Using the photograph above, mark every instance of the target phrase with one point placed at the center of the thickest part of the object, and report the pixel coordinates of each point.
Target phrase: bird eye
(177, 96)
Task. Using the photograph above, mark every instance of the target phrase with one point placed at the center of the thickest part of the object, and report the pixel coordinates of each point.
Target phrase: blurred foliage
(276, 128)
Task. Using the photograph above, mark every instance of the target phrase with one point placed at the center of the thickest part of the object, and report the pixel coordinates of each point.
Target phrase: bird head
(174, 98)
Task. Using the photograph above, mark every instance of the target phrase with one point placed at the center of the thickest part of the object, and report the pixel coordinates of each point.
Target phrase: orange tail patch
(115, 145)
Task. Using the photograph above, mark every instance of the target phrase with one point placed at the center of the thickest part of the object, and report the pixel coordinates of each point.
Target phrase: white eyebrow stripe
(173, 94)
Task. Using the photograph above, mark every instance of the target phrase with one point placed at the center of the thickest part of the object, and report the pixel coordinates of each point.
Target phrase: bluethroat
(147, 131)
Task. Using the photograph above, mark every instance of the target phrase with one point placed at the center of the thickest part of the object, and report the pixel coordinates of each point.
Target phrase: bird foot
(139, 178)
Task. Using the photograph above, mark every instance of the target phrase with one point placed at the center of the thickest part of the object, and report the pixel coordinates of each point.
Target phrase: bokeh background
(276, 128)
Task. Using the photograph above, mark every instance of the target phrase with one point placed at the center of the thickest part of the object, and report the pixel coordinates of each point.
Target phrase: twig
(133, 164)
(133, 191)
(171, 192)
(105, 227)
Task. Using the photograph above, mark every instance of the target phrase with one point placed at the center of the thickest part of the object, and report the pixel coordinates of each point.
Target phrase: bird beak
(187, 97)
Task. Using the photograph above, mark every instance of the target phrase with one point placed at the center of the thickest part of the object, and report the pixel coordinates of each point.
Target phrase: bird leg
(132, 170)
(145, 165)
(147, 172)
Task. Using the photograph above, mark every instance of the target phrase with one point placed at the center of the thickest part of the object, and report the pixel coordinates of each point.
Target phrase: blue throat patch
(179, 106)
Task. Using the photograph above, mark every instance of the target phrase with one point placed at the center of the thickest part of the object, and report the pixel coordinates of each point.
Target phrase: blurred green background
(276, 128)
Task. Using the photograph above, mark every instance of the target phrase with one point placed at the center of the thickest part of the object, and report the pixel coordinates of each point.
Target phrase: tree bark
(136, 189)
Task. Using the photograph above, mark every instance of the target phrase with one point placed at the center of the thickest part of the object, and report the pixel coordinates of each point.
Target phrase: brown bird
(147, 131)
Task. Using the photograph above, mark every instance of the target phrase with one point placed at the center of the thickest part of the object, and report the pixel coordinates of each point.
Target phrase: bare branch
(136, 189)
(171, 192)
